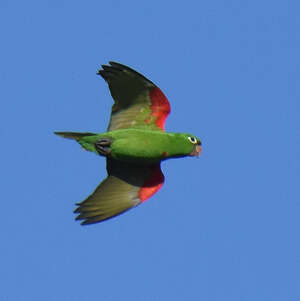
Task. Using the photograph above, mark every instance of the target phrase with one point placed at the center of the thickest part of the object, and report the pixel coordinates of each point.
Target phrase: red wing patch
(160, 107)
(153, 184)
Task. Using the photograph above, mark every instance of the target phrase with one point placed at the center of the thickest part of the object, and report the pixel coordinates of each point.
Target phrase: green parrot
(134, 145)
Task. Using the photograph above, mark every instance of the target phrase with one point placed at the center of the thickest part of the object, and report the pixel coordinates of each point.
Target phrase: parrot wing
(139, 103)
(126, 186)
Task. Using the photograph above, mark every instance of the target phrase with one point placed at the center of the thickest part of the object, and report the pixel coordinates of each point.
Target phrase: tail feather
(73, 135)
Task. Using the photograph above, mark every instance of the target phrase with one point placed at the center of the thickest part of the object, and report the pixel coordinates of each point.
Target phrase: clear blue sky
(224, 226)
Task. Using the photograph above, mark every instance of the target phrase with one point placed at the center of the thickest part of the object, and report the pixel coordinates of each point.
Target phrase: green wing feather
(119, 192)
(139, 103)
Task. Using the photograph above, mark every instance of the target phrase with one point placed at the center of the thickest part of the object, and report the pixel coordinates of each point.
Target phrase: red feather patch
(160, 107)
(152, 185)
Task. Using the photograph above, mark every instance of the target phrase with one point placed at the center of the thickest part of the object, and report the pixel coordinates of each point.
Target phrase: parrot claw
(103, 146)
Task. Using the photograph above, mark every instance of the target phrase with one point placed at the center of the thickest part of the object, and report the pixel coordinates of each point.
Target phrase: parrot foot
(103, 146)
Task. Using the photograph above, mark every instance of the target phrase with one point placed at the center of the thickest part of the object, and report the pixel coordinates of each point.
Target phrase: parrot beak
(196, 150)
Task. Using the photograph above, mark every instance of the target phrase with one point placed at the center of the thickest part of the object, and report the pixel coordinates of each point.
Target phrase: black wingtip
(113, 69)
(100, 70)
(86, 223)
(106, 72)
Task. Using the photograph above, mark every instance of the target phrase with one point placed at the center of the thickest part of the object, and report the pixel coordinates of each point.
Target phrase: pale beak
(196, 151)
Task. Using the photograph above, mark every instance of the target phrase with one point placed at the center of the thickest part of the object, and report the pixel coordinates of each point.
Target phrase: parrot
(134, 145)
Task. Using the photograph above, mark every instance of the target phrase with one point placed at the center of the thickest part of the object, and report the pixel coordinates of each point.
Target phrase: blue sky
(224, 226)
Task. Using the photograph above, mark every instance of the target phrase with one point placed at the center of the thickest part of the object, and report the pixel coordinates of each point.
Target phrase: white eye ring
(193, 140)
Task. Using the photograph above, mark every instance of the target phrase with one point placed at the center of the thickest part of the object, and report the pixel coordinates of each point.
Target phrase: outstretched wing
(126, 186)
(139, 103)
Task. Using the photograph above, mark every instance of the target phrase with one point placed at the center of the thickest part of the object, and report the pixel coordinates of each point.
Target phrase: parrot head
(188, 145)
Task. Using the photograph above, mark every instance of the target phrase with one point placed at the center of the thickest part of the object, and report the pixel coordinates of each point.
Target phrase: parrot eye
(193, 140)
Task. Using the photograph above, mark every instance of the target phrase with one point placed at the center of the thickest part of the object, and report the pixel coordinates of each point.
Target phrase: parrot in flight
(134, 145)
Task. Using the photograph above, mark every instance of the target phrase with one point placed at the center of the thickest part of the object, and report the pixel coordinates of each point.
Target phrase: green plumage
(134, 145)
(138, 146)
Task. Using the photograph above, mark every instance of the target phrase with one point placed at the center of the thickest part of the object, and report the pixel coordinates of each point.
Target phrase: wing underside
(125, 187)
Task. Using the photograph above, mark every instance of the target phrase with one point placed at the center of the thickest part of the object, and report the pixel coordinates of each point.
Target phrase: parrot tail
(73, 135)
